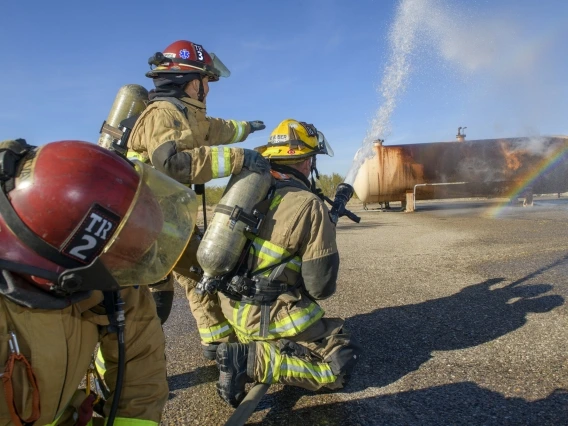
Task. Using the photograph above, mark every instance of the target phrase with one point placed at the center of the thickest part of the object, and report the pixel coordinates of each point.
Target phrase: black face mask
(170, 86)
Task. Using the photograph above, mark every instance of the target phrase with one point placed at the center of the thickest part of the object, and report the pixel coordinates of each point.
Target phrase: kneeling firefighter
(269, 292)
(176, 136)
(82, 232)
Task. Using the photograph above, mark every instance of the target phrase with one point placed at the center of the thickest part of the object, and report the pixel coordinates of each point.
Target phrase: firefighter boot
(232, 360)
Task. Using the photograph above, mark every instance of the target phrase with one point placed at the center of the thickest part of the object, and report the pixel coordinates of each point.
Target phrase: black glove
(256, 125)
(255, 162)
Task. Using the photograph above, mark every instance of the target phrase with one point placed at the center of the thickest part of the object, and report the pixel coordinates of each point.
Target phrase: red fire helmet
(182, 57)
(83, 214)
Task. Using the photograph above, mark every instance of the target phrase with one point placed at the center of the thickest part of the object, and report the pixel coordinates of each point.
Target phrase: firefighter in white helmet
(69, 281)
(292, 262)
(179, 139)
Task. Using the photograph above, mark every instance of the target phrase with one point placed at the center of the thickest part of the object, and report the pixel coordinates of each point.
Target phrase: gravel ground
(462, 317)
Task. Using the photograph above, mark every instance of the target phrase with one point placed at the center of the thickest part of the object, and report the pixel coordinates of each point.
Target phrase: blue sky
(498, 67)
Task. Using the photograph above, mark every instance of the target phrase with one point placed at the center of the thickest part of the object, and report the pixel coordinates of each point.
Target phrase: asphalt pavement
(461, 311)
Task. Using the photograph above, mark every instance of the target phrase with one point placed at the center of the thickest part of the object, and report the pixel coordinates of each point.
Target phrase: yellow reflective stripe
(215, 162)
(239, 130)
(120, 421)
(243, 338)
(294, 367)
(289, 326)
(275, 201)
(267, 378)
(270, 254)
(100, 363)
(298, 321)
(212, 334)
(220, 161)
(271, 360)
(133, 155)
(123, 421)
(245, 315)
(295, 264)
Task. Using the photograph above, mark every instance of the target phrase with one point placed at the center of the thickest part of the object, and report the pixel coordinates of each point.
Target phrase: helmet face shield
(110, 222)
(323, 145)
(219, 67)
(154, 232)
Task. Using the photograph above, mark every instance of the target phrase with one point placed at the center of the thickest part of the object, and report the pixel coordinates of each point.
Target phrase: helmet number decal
(199, 52)
(92, 235)
(310, 128)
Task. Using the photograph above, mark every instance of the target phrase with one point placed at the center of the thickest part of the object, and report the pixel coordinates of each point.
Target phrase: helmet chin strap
(314, 170)
(201, 91)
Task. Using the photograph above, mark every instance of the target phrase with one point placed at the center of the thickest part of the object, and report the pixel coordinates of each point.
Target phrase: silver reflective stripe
(279, 270)
(298, 323)
(223, 329)
(239, 130)
(271, 253)
(296, 262)
(240, 314)
(307, 368)
(270, 374)
(221, 162)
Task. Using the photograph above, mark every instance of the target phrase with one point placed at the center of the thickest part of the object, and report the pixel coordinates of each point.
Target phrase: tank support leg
(409, 201)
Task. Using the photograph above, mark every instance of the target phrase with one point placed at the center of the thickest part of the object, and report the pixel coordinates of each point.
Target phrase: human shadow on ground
(463, 403)
(398, 340)
(200, 375)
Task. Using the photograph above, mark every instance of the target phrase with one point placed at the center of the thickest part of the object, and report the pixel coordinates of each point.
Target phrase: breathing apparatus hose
(119, 323)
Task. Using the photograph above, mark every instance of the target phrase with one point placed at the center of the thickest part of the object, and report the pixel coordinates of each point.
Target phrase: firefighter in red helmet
(177, 137)
(82, 231)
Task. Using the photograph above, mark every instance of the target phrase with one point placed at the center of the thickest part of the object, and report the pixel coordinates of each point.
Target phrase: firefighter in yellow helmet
(292, 262)
(179, 139)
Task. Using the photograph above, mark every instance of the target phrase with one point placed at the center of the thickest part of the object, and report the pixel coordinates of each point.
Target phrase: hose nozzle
(343, 194)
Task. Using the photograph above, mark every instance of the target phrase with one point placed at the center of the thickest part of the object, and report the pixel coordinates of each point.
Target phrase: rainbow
(525, 181)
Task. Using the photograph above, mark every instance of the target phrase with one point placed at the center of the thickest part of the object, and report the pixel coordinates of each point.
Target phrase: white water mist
(401, 41)
(491, 47)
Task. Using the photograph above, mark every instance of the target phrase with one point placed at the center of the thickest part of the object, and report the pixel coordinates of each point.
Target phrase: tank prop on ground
(512, 167)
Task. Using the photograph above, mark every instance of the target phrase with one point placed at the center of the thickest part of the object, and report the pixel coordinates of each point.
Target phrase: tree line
(327, 183)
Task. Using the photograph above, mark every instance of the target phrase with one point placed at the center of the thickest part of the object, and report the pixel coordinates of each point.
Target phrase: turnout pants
(206, 309)
(321, 356)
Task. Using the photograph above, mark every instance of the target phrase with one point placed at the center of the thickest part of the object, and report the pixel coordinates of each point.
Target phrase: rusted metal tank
(490, 168)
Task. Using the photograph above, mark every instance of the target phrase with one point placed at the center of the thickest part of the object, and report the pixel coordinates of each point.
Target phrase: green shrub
(328, 184)
(213, 195)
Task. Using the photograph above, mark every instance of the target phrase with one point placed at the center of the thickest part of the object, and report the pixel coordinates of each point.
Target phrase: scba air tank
(130, 100)
(225, 239)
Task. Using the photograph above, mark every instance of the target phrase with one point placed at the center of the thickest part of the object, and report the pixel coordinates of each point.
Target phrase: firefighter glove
(256, 125)
(255, 162)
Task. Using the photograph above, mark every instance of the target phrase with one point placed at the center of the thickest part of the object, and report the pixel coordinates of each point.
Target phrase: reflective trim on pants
(215, 333)
(273, 367)
(291, 325)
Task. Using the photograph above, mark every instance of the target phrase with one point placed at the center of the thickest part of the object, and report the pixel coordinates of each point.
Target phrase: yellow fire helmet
(293, 141)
